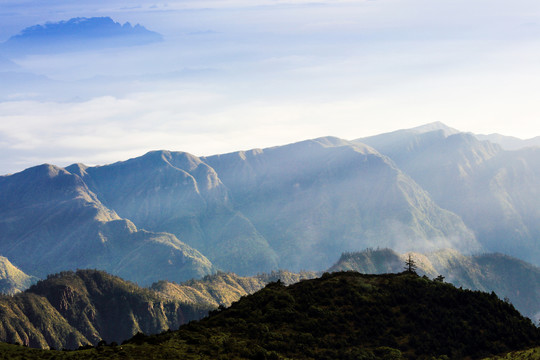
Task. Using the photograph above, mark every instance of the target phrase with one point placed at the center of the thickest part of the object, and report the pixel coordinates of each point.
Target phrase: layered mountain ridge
(494, 191)
(175, 216)
(51, 222)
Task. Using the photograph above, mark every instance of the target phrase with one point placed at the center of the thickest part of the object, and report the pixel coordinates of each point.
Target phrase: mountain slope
(70, 309)
(494, 191)
(297, 207)
(224, 288)
(12, 279)
(177, 193)
(314, 199)
(508, 277)
(50, 221)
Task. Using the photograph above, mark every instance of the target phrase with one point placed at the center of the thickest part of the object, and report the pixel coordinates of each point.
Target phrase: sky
(239, 74)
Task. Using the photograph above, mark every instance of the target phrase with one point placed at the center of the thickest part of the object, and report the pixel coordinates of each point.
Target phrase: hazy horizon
(235, 75)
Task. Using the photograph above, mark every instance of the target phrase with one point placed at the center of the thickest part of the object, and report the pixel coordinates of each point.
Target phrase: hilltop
(508, 277)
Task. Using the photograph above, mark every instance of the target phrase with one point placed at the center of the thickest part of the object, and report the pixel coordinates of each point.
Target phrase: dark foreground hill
(342, 315)
(71, 309)
(508, 277)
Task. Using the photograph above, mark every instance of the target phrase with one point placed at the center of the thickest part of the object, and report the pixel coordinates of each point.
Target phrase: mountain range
(52, 222)
(495, 192)
(510, 142)
(77, 34)
(175, 216)
(294, 207)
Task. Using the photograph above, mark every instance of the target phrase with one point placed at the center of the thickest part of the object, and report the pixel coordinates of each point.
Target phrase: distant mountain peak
(76, 34)
(434, 126)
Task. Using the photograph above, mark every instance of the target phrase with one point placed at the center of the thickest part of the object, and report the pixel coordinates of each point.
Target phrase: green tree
(410, 265)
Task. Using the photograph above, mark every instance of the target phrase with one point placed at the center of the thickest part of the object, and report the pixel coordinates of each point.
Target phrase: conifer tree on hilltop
(410, 265)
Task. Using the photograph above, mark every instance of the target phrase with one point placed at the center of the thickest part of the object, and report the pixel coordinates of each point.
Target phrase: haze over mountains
(510, 142)
(495, 192)
(174, 216)
(52, 222)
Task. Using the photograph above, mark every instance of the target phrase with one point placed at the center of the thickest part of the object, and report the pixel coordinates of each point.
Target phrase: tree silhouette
(410, 265)
(439, 278)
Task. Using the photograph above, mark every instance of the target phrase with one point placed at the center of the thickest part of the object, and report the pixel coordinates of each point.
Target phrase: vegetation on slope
(71, 309)
(224, 288)
(342, 315)
(529, 354)
(508, 277)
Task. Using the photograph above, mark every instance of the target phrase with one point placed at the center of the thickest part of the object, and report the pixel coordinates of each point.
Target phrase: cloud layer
(234, 75)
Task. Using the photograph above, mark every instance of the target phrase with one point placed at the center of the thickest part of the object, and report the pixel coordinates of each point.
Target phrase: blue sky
(235, 75)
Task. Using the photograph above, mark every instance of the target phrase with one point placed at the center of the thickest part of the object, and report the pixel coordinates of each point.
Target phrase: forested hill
(344, 315)
(73, 309)
(508, 277)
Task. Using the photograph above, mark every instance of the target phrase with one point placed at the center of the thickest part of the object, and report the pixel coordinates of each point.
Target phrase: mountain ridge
(297, 206)
(12, 279)
(494, 191)
(72, 309)
(52, 222)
